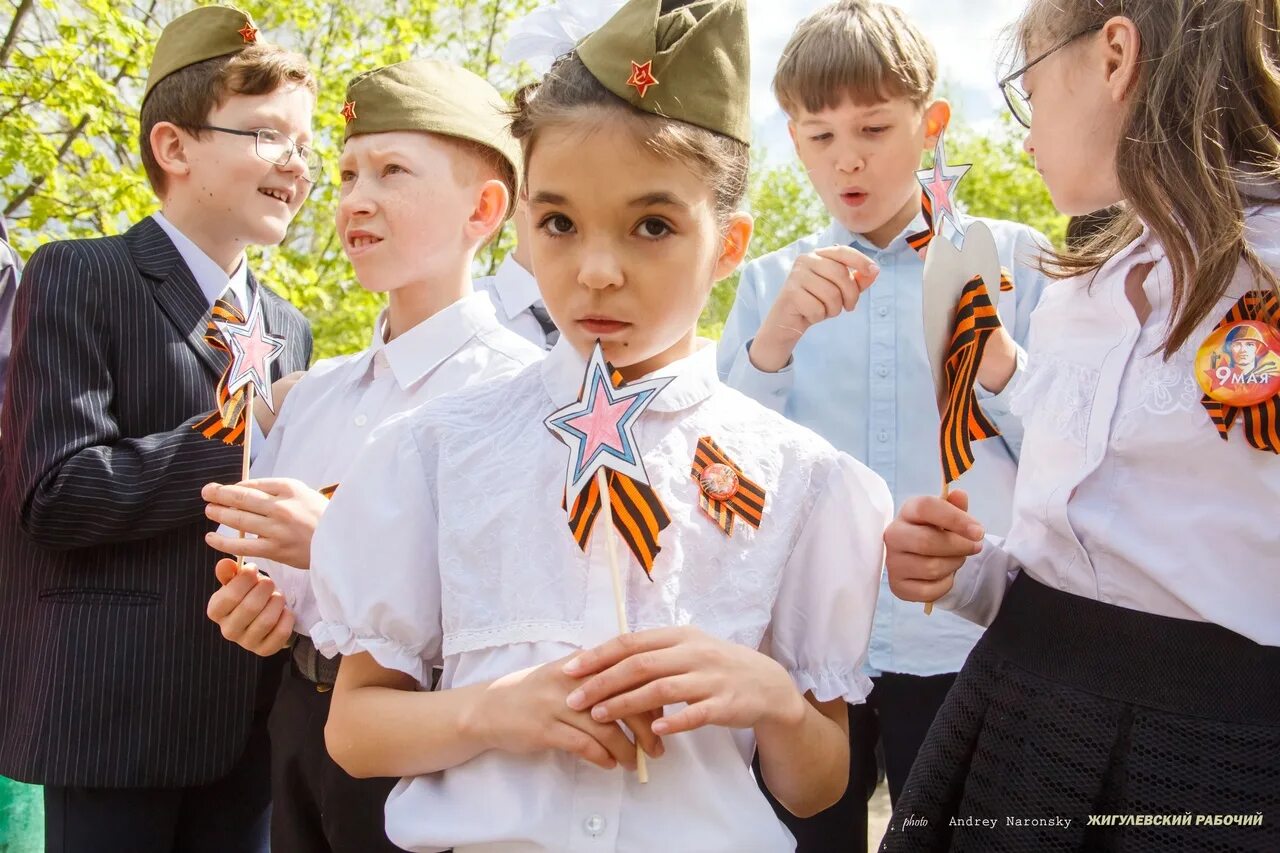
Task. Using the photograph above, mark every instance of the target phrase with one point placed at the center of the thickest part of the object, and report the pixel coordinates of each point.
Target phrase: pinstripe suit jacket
(110, 673)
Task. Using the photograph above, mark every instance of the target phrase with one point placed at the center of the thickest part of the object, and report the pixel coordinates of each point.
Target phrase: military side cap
(691, 63)
(204, 33)
(434, 97)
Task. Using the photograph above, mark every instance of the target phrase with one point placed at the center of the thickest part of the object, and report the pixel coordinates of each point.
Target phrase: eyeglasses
(1018, 101)
(276, 148)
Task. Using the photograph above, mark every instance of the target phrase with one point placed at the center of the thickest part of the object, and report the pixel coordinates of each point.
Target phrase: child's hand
(526, 712)
(999, 361)
(724, 684)
(281, 513)
(928, 543)
(250, 610)
(822, 284)
(279, 390)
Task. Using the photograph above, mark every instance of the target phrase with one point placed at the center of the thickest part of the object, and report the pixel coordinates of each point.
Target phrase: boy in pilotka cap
(147, 731)
(429, 174)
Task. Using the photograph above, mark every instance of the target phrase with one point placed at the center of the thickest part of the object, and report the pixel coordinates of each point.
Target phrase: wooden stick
(946, 492)
(244, 459)
(619, 603)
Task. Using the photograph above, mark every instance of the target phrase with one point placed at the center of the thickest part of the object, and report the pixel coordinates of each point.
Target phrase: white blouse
(332, 412)
(476, 570)
(1126, 494)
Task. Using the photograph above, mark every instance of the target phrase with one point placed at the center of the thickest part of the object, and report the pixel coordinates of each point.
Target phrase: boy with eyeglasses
(146, 728)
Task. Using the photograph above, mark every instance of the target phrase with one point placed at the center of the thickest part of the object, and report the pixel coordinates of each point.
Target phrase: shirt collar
(843, 236)
(694, 377)
(420, 350)
(211, 278)
(516, 288)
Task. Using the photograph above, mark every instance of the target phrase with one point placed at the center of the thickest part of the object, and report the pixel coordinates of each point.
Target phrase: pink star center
(253, 350)
(601, 422)
(940, 191)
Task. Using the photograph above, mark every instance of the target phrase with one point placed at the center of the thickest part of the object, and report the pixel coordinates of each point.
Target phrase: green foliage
(785, 208)
(1003, 183)
(71, 77)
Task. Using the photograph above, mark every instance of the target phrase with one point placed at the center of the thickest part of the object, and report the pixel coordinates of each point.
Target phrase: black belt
(311, 665)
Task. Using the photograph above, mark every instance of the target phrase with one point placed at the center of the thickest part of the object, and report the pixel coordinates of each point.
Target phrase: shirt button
(361, 420)
(594, 825)
(882, 371)
(883, 311)
(883, 436)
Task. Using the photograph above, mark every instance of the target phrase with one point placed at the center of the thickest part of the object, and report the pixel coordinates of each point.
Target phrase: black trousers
(318, 808)
(230, 814)
(896, 717)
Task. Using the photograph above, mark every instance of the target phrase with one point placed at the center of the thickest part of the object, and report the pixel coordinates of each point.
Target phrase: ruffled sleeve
(374, 566)
(822, 617)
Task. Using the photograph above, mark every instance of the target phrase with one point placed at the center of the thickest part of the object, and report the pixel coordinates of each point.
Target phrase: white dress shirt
(862, 381)
(476, 571)
(214, 282)
(1126, 494)
(332, 412)
(213, 279)
(514, 292)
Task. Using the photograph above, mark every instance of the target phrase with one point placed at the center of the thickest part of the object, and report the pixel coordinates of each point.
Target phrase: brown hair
(569, 90)
(187, 96)
(483, 162)
(1205, 109)
(856, 49)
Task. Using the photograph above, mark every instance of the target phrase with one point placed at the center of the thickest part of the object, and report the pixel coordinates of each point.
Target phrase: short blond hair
(859, 49)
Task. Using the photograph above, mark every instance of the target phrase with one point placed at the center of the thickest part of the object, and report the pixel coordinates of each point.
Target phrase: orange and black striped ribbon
(964, 422)
(638, 516)
(746, 503)
(1261, 420)
(226, 423)
(327, 491)
(921, 239)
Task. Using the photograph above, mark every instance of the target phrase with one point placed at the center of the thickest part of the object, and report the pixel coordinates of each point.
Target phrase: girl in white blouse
(448, 545)
(1127, 693)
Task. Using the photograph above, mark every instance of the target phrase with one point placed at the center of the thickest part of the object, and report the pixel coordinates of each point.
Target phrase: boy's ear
(168, 147)
(791, 131)
(936, 118)
(490, 211)
(733, 249)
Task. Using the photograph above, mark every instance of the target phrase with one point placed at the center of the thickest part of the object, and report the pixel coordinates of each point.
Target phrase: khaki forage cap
(434, 97)
(204, 33)
(690, 64)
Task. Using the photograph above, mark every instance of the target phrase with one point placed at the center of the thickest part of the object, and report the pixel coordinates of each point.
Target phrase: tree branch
(11, 38)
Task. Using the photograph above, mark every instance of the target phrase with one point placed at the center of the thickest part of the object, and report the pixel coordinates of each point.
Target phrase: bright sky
(966, 33)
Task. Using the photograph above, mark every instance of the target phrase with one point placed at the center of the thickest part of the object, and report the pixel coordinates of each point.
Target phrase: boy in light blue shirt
(837, 344)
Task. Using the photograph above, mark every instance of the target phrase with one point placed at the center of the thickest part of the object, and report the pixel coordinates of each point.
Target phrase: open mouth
(279, 195)
(362, 241)
(853, 198)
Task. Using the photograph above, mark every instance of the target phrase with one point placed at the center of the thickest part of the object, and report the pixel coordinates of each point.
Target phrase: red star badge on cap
(349, 111)
(642, 77)
(249, 34)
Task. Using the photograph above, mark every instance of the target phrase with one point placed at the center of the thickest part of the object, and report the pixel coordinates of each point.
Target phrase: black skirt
(1083, 726)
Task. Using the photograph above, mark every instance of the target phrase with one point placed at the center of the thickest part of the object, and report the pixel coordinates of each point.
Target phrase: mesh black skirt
(1082, 726)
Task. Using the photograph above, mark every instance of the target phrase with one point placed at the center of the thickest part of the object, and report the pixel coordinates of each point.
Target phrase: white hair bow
(546, 34)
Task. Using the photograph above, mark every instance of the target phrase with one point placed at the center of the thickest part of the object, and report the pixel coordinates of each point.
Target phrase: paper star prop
(939, 185)
(249, 34)
(349, 111)
(253, 350)
(599, 428)
(642, 77)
